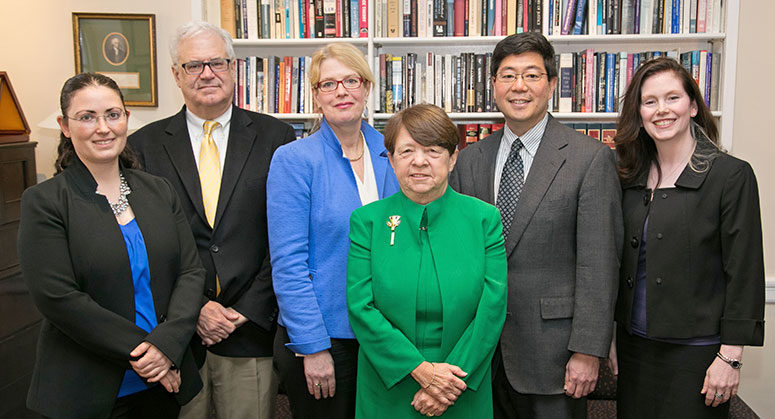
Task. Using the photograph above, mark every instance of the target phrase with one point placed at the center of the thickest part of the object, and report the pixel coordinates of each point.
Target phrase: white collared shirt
(531, 140)
(367, 189)
(220, 134)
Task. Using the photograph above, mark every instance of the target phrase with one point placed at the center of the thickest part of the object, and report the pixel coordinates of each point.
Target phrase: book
(579, 20)
(363, 19)
(568, 20)
(566, 82)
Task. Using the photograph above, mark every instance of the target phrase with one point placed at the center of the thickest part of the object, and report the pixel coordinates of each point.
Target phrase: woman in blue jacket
(313, 186)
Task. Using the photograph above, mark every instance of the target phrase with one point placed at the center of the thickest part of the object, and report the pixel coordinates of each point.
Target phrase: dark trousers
(663, 380)
(511, 404)
(290, 371)
(154, 403)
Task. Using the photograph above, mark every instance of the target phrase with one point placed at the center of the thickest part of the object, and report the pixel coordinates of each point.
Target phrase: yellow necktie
(210, 178)
(209, 172)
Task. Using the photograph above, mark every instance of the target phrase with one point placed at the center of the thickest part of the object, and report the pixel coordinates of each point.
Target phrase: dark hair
(65, 151)
(428, 124)
(521, 43)
(635, 148)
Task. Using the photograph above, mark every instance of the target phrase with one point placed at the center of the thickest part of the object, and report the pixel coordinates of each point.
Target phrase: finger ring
(719, 395)
(317, 384)
(430, 415)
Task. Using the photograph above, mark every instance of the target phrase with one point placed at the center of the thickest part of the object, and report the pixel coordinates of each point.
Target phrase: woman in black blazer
(691, 289)
(111, 264)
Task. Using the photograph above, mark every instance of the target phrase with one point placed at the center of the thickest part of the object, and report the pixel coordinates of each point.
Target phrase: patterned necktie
(512, 181)
(209, 172)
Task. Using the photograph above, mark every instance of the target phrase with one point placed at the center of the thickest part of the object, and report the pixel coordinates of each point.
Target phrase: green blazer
(467, 245)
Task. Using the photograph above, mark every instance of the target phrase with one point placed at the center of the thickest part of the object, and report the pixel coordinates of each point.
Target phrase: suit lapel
(546, 164)
(241, 139)
(178, 147)
(484, 168)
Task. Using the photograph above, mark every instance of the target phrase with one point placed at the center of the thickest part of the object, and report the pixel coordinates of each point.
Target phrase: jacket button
(646, 199)
(664, 195)
(214, 248)
(210, 294)
(659, 281)
(634, 242)
(162, 318)
(659, 236)
(630, 282)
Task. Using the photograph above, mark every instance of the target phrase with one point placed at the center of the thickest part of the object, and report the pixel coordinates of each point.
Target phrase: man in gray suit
(559, 198)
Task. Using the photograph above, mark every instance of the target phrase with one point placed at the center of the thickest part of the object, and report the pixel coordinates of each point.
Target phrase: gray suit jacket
(563, 253)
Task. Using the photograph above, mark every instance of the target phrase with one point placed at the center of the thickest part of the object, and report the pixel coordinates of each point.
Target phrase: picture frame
(121, 46)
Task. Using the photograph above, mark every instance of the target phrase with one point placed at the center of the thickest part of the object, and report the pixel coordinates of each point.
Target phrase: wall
(36, 40)
(753, 142)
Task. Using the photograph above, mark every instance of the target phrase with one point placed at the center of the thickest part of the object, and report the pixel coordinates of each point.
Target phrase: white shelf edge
(555, 39)
(295, 116)
(303, 42)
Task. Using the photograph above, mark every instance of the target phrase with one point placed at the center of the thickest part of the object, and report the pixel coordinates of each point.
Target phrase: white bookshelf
(724, 42)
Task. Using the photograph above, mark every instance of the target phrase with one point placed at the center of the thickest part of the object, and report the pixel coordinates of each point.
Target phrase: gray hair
(194, 29)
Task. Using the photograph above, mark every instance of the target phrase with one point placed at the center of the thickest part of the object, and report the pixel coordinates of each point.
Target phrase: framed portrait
(122, 47)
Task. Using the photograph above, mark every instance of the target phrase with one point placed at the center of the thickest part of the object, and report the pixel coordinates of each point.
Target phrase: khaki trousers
(238, 388)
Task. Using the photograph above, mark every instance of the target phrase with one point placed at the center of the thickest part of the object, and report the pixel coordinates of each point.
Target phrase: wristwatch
(734, 363)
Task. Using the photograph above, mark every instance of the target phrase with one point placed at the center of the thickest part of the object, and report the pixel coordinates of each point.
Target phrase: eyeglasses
(331, 85)
(217, 65)
(111, 117)
(527, 77)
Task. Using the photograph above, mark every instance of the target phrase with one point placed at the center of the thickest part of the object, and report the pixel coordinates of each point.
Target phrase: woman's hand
(428, 405)
(319, 371)
(440, 380)
(720, 378)
(171, 381)
(152, 365)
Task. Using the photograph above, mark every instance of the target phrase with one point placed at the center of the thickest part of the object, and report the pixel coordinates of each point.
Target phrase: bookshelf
(724, 42)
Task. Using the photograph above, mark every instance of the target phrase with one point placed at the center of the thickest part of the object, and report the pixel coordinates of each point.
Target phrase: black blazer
(237, 247)
(704, 262)
(74, 260)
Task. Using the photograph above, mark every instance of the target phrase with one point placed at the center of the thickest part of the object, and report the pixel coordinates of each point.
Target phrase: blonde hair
(346, 54)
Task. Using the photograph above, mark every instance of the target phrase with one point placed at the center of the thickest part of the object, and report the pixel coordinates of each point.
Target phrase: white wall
(36, 44)
(754, 143)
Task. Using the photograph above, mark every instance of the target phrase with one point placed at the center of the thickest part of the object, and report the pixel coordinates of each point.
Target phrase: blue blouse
(145, 313)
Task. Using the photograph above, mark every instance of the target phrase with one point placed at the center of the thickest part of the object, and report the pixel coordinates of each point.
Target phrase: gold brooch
(393, 222)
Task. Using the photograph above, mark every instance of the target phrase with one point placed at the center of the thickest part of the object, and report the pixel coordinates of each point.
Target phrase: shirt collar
(199, 122)
(532, 138)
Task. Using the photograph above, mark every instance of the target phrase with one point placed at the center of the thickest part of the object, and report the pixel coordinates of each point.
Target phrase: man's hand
(428, 405)
(240, 318)
(319, 372)
(613, 359)
(152, 365)
(171, 381)
(581, 375)
(216, 323)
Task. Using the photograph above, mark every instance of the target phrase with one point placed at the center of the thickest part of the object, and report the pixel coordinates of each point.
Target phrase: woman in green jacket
(426, 282)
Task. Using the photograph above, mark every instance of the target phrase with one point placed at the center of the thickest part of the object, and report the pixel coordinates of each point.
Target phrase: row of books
(591, 81)
(426, 18)
(295, 19)
(602, 17)
(472, 132)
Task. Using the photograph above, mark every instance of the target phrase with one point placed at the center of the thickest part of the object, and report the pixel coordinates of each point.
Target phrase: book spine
(460, 6)
(479, 89)
(567, 21)
(538, 13)
(636, 17)
(382, 83)
(600, 57)
(703, 72)
(708, 78)
(702, 8)
(398, 83)
(419, 18)
(610, 81)
(363, 19)
(340, 13)
(714, 80)
(488, 98)
(407, 17)
(389, 108)
(693, 17)
(579, 20)
(439, 18)
(628, 13)
(589, 80)
(566, 82)
(392, 18)
(227, 17)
